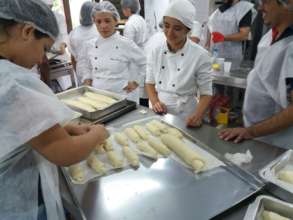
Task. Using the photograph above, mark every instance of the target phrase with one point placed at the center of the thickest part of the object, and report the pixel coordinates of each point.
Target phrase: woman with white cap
(106, 60)
(32, 140)
(84, 32)
(179, 69)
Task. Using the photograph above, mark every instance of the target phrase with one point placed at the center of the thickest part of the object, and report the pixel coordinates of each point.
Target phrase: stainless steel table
(111, 197)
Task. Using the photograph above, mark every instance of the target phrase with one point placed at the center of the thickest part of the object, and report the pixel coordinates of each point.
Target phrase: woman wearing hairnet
(268, 103)
(106, 60)
(179, 69)
(32, 140)
(229, 26)
(84, 32)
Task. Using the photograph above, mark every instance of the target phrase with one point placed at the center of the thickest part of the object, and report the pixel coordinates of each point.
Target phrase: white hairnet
(33, 12)
(134, 5)
(183, 11)
(106, 6)
(85, 17)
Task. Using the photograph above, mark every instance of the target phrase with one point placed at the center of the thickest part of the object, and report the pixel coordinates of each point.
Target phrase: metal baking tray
(269, 175)
(76, 92)
(165, 189)
(254, 211)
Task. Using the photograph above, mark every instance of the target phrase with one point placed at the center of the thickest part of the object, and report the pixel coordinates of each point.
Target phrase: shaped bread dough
(131, 156)
(161, 126)
(175, 132)
(76, 172)
(108, 145)
(79, 105)
(141, 132)
(133, 136)
(96, 164)
(100, 98)
(114, 159)
(159, 147)
(184, 152)
(153, 129)
(286, 176)
(121, 139)
(267, 215)
(94, 103)
(147, 149)
(99, 149)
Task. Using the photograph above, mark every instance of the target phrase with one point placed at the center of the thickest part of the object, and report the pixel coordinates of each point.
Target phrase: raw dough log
(121, 139)
(131, 156)
(76, 172)
(108, 145)
(161, 126)
(94, 103)
(99, 97)
(141, 132)
(79, 105)
(184, 152)
(159, 147)
(153, 129)
(99, 149)
(286, 176)
(272, 216)
(114, 159)
(148, 150)
(133, 136)
(96, 164)
(175, 132)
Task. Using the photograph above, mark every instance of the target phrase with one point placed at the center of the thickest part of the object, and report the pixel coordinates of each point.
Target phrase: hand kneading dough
(133, 136)
(79, 105)
(94, 103)
(99, 97)
(184, 152)
(159, 147)
(76, 172)
(153, 129)
(121, 139)
(108, 145)
(114, 159)
(286, 176)
(131, 156)
(175, 132)
(141, 132)
(162, 127)
(96, 164)
(272, 216)
(149, 151)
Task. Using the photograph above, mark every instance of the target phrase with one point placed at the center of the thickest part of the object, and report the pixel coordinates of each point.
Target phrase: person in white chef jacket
(179, 70)
(82, 33)
(33, 135)
(106, 60)
(268, 102)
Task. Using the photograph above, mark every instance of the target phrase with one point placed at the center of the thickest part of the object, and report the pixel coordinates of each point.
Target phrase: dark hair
(6, 23)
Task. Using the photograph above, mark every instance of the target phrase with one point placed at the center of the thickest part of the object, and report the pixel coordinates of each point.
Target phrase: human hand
(194, 120)
(100, 131)
(217, 37)
(77, 129)
(159, 107)
(132, 85)
(235, 134)
(87, 82)
(61, 50)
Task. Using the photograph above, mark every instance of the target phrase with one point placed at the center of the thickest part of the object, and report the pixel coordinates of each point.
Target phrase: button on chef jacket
(180, 76)
(107, 61)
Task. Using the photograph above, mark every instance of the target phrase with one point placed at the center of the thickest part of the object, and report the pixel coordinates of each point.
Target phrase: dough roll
(272, 216)
(133, 136)
(153, 129)
(184, 152)
(96, 164)
(76, 172)
(141, 132)
(175, 132)
(94, 103)
(131, 157)
(121, 139)
(108, 145)
(161, 126)
(149, 151)
(159, 147)
(79, 105)
(100, 98)
(114, 159)
(286, 176)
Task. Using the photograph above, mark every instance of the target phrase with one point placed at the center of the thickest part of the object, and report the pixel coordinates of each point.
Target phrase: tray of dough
(92, 103)
(279, 176)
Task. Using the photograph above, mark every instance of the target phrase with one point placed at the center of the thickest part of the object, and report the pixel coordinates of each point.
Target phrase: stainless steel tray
(268, 203)
(76, 92)
(166, 190)
(275, 186)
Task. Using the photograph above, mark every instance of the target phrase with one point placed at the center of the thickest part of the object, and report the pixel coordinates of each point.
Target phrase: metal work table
(102, 195)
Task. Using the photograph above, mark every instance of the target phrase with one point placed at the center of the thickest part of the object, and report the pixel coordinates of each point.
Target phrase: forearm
(203, 105)
(242, 35)
(278, 122)
(152, 93)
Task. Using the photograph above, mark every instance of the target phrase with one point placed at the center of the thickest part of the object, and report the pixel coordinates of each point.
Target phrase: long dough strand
(141, 132)
(133, 136)
(114, 159)
(175, 132)
(286, 176)
(272, 216)
(94, 103)
(148, 150)
(131, 156)
(99, 97)
(161, 126)
(153, 129)
(79, 105)
(96, 164)
(159, 147)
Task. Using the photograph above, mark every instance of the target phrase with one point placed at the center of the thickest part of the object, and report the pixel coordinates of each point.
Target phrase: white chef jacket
(266, 93)
(107, 60)
(227, 23)
(180, 76)
(77, 37)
